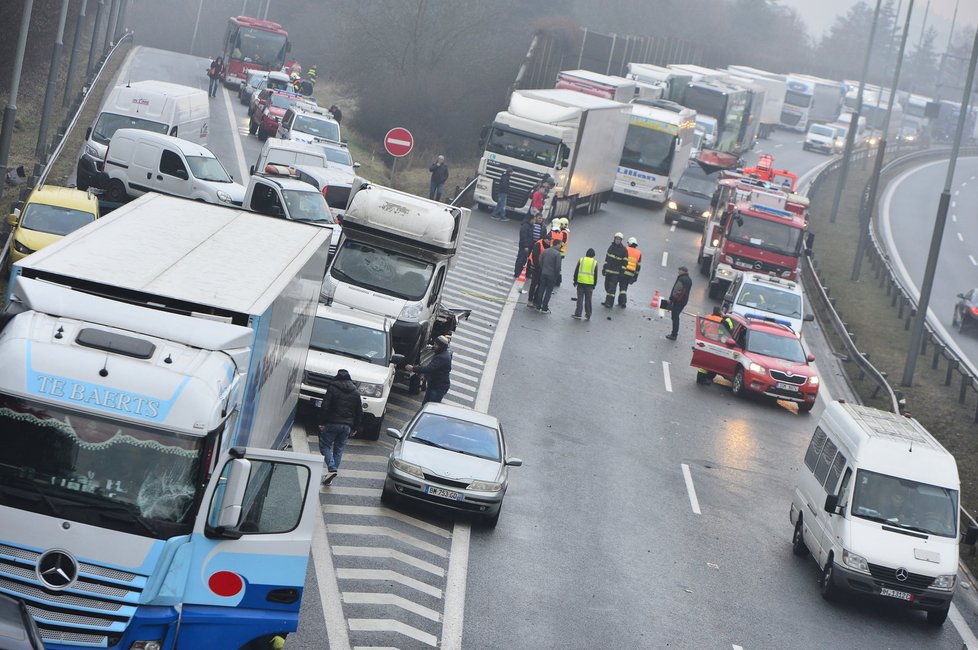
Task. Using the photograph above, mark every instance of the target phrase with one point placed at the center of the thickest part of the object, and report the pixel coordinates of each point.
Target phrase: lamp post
(917, 333)
(91, 46)
(53, 70)
(10, 112)
(75, 46)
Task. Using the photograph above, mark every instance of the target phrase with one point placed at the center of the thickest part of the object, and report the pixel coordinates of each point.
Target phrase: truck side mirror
(971, 537)
(398, 359)
(232, 500)
(832, 504)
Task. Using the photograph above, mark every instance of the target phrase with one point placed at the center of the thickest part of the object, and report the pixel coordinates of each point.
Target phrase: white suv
(766, 297)
(308, 123)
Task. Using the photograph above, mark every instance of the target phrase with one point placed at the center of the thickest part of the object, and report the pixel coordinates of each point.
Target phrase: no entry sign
(399, 142)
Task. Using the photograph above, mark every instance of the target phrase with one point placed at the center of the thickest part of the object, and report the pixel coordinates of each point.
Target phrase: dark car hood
(684, 200)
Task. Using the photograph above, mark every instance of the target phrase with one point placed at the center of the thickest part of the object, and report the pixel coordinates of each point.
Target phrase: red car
(268, 111)
(756, 355)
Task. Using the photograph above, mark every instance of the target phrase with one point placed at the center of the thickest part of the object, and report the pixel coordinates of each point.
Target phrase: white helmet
(618, 235)
(632, 241)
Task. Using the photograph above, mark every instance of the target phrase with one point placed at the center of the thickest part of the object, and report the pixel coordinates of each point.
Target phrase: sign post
(399, 142)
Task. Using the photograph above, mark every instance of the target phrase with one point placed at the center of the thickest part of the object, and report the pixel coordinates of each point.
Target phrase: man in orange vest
(630, 272)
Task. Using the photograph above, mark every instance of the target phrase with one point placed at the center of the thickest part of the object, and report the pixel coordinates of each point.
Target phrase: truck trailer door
(246, 560)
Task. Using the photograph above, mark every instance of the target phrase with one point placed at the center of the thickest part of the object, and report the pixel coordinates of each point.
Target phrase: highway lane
(599, 544)
(908, 212)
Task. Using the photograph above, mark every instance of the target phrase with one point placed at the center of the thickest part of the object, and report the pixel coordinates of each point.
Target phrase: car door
(249, 548)
(711, 349)
(172, 177)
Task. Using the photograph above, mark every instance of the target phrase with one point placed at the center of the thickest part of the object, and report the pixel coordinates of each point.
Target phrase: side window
(741, 337)
(273, 498)
(815, 448)
(825, 461)
(172, 165)
(844, 489)
(833, 478)
(439, 279)
(264, 199)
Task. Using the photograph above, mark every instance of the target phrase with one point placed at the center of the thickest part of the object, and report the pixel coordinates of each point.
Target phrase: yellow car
(49, 214)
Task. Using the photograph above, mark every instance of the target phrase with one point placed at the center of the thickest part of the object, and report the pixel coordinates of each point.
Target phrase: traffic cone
(655, 300)
(522, 277)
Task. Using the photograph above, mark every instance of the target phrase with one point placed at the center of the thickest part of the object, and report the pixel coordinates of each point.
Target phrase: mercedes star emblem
(758, 265)
(57, 569)
(902, 574)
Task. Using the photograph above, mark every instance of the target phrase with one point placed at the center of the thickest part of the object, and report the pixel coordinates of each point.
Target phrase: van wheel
(116, 191)
(738, 384)
(937, 616)
(798, 540)
(252, 127)
(826, 584)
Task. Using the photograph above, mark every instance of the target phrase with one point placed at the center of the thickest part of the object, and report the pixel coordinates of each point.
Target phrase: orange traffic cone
(655, 300)
(522, 277)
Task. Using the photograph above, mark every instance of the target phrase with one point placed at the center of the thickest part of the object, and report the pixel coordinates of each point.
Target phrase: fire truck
(764, 170)
(252, 44)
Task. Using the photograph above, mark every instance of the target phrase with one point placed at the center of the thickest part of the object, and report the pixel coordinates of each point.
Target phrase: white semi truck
(149, 376)
(573, 138)
(774, 86)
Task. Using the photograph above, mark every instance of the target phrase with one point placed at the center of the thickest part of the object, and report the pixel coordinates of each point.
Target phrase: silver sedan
(452, 457)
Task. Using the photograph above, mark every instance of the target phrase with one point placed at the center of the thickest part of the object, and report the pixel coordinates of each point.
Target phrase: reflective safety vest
(564, 236)
(588, 269)
(634, 260)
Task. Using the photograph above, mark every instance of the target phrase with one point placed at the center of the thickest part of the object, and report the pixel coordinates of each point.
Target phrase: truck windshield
(307, 206)
(522, 147)
(259, 46)
(109, 123)
(54, 219)
(648, 149)
(350, 340)
(797, 99)
(903, 503)
(386, 271)
(102, 472)
(208, 169)
(776, 346)
(317, 127)
(780, 238)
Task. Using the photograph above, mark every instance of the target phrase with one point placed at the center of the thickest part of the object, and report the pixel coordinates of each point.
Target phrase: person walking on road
(632, 267)
(215, 72)
(678, 298)
(439, 174)
(439, 371)
(502, 194)
(340, 416)
(614, 268)
(526, 243)
(585, 277)
(533, 300)
(549, 272)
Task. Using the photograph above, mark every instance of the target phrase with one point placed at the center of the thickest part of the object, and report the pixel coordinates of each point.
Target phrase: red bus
(253, 44)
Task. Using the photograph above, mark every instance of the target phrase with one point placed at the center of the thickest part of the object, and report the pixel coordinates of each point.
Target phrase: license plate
(444, 494)
(784, 386)
(893, 593)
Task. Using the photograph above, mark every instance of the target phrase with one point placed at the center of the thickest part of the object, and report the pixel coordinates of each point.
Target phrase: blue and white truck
(150, 366)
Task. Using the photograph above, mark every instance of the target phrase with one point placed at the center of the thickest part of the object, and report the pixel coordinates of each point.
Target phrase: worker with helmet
(632, 266)
(558, 238)
(295, 81)
(613, 271)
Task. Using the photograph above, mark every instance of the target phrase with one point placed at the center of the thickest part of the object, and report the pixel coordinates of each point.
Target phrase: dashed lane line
(972, 258)
(960, 237)
(665, 258)
(672, 228)
(666, 377)
(954, 218)
(690, 490)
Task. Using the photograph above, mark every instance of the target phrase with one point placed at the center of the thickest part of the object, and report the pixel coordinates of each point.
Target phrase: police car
(756, 355)
(764, 296)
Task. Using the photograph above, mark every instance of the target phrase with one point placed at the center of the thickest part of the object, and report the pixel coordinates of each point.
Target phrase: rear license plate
(444, 494)
(893, 593)
(784, 386)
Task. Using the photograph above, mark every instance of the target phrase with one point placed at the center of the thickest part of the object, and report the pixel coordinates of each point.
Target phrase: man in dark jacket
(615, 261)
(678, 298)
(439, 371)
(215, 72)
(534, 267)
(439, 174)
(526, 242)
(340, 416)
(502, 194)
(549, 272)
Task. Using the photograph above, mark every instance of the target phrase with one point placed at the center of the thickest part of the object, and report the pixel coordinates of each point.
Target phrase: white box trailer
(774, 87)
(618, 89)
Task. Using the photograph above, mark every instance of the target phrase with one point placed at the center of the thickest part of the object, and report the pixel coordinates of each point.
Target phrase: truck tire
(716, 291)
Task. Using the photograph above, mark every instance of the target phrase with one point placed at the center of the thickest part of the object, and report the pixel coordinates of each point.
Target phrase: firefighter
(632, 267)
(614, 266)
(558, 237)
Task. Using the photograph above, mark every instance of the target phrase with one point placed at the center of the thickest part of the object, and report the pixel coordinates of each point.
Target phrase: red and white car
(268, 112)
(755, 355)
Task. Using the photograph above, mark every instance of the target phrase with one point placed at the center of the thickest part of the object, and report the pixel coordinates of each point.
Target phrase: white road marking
(371, 551)
(956, 192)
(357, 598)
(963, 183)
(954, 218)
(667, 378)
(737, 647)
(386, 575)
(665, 257)
(972, 258)
(954, 204)
(779, 145)
(243, 175)
(969, 638)
(390, 625)
(693, 501)
(960, 238)
(454, 613)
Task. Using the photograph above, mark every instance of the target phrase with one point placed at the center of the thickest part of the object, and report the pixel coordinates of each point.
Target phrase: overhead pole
(75, 47)
(10, 112)
(91, 46)
(107, 39)
(53, 70)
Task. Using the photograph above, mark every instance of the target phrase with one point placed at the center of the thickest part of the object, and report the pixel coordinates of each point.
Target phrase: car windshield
(453, 434)
(692, 182)
(706, 126)
(387, 271)
(53, 219)
(774, 236)
(522, 147)
(767, 298)
(355, 341)
(317, 127)
(906, 504)
(109, 123)
(307, 206)
(254, 76)
(206, 168)
(106, 473)
(341, 156)
(821, 130)
(777, 346)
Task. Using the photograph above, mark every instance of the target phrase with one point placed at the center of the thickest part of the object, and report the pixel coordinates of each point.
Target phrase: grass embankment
(866, 309)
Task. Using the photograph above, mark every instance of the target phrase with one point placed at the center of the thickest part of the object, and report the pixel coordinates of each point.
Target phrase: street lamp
(917, 334)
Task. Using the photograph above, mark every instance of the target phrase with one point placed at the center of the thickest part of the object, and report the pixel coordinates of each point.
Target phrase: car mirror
(971, 536)
(810, 357)
(809, 318)
(234, 493)
(514, 462)
(88, 133)
(832, 503)
(12, 218)
(356, 165)
(398, 359)
(394, 433)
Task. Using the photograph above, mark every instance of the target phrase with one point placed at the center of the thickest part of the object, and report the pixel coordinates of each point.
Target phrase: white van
(308, 123)
(137, 162)
(877, 505)
(820, 137)
(155, 106)
(289, 153)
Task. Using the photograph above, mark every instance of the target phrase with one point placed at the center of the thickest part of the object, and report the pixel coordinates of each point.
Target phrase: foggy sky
(819, 15)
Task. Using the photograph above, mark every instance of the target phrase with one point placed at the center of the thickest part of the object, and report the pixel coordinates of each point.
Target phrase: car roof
(64, 197)
(186, 147)
(460, 413)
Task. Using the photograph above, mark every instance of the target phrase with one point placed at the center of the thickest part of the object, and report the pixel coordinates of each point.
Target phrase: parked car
(691, 200)
(250, 84)
(452, 457)
(49, 214)
(269, 110)
(308, 123)
(753, 294)
(339, 154)
(755, 355)
(820, 137)
(966, 311)
(333, 181)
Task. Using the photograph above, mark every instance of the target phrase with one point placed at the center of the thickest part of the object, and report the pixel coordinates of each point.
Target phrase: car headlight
(20, 248)
(659, 188)
(855, 562)
(944, 582)
(707, 213)
(328, 289)
(485, 486)
(813, 380)
(370, 390)
(407, 468)
(411, 311)
(90, 150)
(673, 205)
(715, 242)
(728, 259)
(758, 368)
(223, 196)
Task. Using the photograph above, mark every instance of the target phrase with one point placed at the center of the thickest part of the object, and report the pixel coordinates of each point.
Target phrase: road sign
(399, 142)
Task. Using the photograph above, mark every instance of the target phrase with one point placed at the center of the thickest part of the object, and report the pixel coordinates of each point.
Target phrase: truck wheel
(116, 191)
(252, 127)
(798, 540)
(705, 263)
(716, 291)
(737, 388)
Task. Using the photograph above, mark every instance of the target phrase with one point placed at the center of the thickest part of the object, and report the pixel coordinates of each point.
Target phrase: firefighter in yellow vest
(585, 278)
(630, 274)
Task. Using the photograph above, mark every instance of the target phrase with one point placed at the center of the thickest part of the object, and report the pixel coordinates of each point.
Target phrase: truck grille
(521, 183)
(94, 611)
(886, 577)
(777, 375)
(759, 266)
